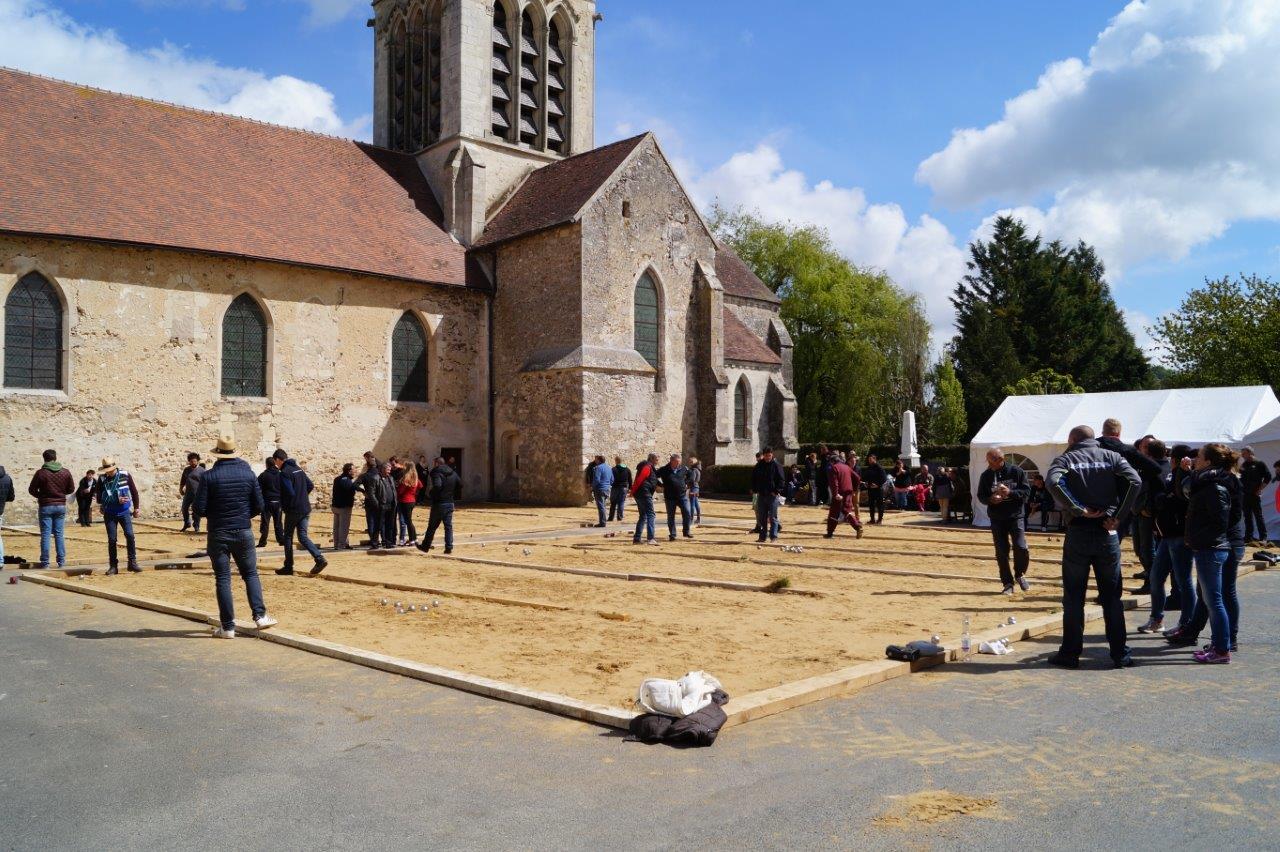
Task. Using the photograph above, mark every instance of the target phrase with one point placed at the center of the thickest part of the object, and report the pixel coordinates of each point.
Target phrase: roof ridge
(188, 108)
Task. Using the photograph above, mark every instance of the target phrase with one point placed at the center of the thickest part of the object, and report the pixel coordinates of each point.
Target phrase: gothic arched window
(244, 349)
(742, 410)
(646, 320)
(33, 335)
(502, 77)
(531, 83)
(559, 45)
(409, 360)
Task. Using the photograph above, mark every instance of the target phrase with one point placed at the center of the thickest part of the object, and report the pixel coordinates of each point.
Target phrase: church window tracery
(244, 349)
(33, 335)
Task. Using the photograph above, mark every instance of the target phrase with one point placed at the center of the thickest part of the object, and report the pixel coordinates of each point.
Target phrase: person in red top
(407, 489)
(843, 483)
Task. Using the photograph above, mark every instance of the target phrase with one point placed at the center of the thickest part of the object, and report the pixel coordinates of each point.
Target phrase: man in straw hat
(117, 498)
(229, 497)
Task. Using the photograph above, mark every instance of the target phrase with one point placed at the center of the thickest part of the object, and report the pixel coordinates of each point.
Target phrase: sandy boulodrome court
(587, 614)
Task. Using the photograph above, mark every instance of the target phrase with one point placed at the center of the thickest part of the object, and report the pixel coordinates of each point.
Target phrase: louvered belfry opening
(414, 78)
(33, 335)
(558, 47)
(503, 63)
(531, 84)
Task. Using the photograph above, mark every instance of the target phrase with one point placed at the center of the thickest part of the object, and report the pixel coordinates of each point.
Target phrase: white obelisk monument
(910, 450)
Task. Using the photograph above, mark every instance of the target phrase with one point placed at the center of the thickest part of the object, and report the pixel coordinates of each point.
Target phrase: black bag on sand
(913, 651)
(698, 729)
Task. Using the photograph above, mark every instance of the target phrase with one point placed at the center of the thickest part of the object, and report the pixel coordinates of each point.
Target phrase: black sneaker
(448, 550)
(285, 572)
(321, 564)
(598, 526)
(671, 538)
(111, 572)
(828, 535)
(1063, 661)
(688, 535)
(1125, 662)
(134, 569)
(262, 544)
(424, 547)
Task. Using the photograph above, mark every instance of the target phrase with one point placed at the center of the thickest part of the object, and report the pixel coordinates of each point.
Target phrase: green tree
(861, 343)
(1224, 334)
(1042, 382)
(1026, 306)
(946, 408)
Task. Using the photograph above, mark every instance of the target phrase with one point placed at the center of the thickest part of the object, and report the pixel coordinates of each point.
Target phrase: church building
(481, 282)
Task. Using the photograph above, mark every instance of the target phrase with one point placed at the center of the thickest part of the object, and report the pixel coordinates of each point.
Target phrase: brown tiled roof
(555, 194)
(741, 343)
(738, 279)
(83, 163)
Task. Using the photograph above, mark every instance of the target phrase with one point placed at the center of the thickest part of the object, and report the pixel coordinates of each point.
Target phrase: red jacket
(842, 480)
(406, 493)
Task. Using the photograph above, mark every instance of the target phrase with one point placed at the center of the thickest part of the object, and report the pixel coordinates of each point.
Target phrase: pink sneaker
(1213, 655)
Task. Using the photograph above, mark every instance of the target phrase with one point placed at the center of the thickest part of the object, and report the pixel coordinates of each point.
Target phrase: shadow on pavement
(138, 634)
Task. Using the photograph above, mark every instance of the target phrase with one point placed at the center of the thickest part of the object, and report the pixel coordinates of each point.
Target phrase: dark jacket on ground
(295, 489)
(269, 482)
(1013, 506)
(229, 496)
(768, 478)
(7, 495)
(622, 477)
(675, 481)
(1253, 475)
(1087, 477)
(843, 480)
(444, 485)
(646, 481)
(344, 492)
(874, 474)
(1212, 495)
(51, 485)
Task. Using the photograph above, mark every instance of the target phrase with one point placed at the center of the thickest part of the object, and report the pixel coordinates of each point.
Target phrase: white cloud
(921, 256)
(36, 37)
(1155, 144)
(1139, 324)
(326, 12)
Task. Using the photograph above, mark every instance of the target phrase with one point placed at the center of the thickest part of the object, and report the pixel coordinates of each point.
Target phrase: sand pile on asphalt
(932, 806)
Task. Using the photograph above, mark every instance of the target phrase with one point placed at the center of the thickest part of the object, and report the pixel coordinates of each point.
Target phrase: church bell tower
(482, 92)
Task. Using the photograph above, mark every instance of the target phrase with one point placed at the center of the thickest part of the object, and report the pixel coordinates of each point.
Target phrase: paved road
(125, 729)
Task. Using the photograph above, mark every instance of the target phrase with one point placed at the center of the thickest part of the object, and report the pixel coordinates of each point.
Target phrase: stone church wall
(143, 380)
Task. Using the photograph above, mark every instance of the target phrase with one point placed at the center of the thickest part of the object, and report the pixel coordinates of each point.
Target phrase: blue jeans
(125, 522)
(299, 523)
(602, 503)
(1, 541)
(681, 503)
(695, 507)
(223, 546)
(767, 516)
(901, 498)
(1091, 547)
(52, 519)
(648, 518)
(1210, 573)
(190, 517)
(617, 503)
(1173, 557)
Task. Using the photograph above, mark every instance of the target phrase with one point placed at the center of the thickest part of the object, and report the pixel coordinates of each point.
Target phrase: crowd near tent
(1032, 430)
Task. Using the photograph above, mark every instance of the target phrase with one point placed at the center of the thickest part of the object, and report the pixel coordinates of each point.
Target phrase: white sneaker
(265, 622)
(220, 633)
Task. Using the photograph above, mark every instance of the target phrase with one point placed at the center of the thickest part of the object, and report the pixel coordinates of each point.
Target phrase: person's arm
(202, 496)
(984, 487)
(1125, 471)
(311, 486)
(31, 489)
(1266, 478)
(133, 491)
(1021, 489)
(257, 503)
(1056, 482)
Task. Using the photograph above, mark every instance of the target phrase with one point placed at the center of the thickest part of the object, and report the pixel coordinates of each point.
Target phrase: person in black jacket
(1254, 477)
(642, 489)
(1003, 489)
(343, 504)
(1150, 473)
(84, 500)
(673, 478)
(228, 498)
(1173, 557)
(368, 485)
(767, 482)
(295, 499)
(7, 496)
(621, 488)
(874, 478)
(1214, 532)
(269, 482)
(443, 491)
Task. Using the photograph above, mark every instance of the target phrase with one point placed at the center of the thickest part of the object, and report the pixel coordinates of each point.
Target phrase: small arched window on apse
(559, 98)
(244, 349)
(646, 320)
(33, 327)
(742, 410)
(409, 360)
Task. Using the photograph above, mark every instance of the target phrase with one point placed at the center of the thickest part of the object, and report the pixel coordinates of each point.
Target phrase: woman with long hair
(406, 499)
(1215, 508)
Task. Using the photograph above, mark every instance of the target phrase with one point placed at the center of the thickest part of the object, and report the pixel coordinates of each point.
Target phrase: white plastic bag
(680, 697)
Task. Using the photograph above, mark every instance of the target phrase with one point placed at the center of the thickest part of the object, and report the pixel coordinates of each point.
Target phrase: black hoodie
(6, 490)
(444, 485)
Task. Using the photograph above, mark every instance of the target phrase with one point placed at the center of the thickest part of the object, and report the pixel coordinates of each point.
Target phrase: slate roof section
(555, 194)
(84, 163)
(738, 279)
(741, 343)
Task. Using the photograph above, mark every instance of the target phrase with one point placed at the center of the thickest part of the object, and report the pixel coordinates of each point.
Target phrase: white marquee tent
(1036, 427)
(1266, 446)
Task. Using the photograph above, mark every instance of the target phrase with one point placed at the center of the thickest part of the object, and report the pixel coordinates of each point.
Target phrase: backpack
(698, 729)
(115, 493)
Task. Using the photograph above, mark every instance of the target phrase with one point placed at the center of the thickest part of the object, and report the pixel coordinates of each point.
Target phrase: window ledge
(405, 403)
(41, 393)
(256, 399)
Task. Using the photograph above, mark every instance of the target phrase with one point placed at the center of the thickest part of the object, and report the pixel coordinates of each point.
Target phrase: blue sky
(1149, 139)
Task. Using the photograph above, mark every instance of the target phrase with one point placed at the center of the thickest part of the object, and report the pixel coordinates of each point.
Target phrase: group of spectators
(1182, 507)
(898, 487)
(680, 484)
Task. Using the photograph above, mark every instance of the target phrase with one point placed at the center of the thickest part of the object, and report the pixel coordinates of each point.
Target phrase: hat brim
(108, 468)
(218, 454)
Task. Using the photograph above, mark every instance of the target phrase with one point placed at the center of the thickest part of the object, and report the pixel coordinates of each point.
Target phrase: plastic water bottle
(966, 644)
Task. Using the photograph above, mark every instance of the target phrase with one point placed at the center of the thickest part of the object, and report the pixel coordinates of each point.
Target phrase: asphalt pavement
(126, 729)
